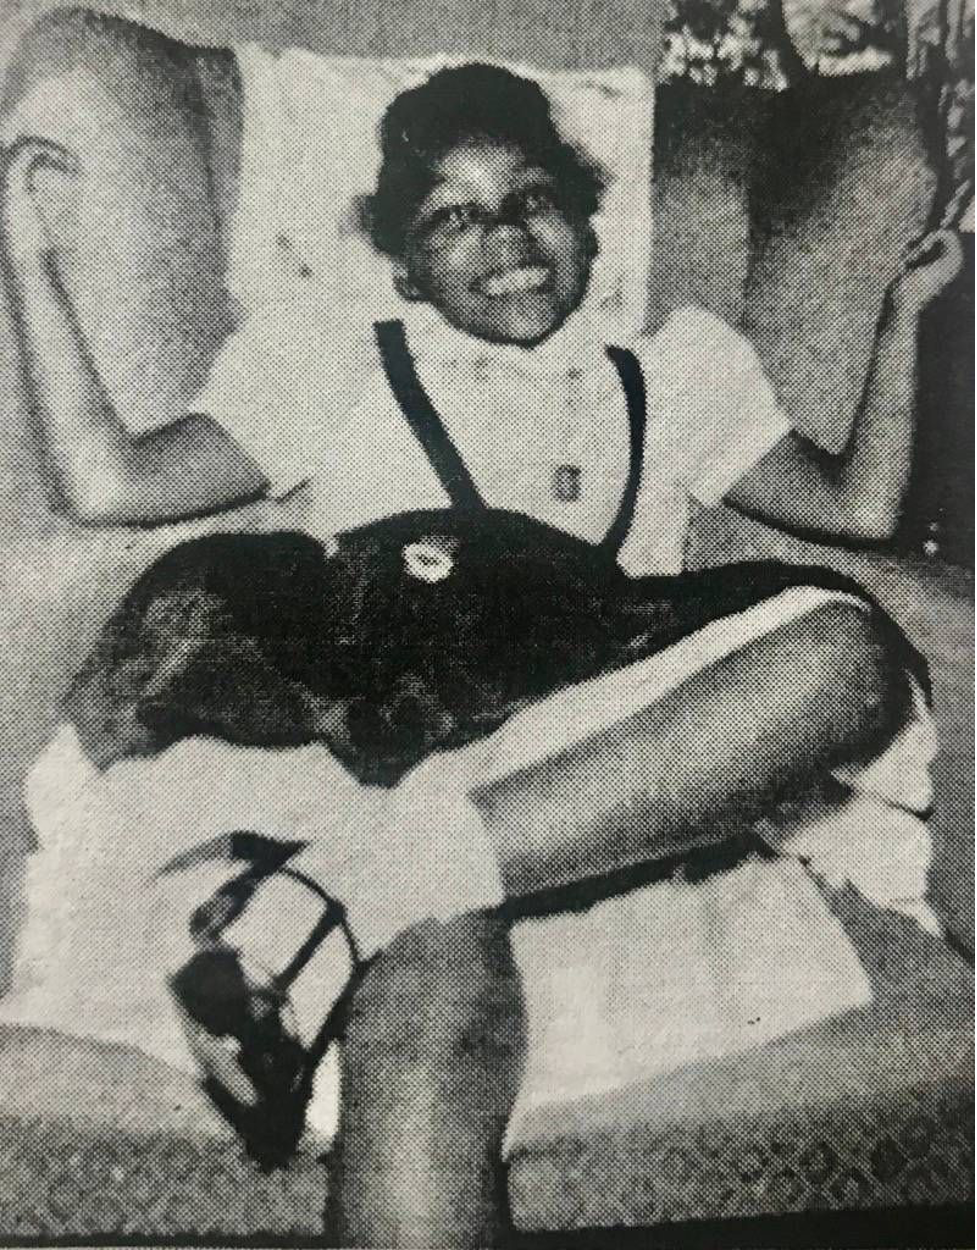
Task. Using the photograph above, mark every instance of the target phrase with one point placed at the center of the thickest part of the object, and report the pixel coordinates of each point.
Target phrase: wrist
(900, 312)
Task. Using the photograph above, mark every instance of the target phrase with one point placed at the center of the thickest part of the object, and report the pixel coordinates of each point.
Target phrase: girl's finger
(942, 245)
(957, 205)
(923, 250)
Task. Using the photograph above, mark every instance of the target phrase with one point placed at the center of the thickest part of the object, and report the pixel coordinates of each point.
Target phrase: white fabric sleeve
(719, 414)
(280, 386)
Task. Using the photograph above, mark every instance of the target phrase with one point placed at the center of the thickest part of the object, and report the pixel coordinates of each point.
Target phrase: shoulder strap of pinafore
(632, 379)
(429, 430)
(422, 416)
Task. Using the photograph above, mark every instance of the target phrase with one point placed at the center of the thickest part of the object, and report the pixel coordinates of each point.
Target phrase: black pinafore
(429, 429)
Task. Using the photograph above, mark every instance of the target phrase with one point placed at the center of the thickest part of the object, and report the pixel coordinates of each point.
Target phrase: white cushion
(310, 150)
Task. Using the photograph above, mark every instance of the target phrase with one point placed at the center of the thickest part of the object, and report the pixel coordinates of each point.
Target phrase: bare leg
(139, 234)
(435, 1045)
(707, 759)
(431, 1066)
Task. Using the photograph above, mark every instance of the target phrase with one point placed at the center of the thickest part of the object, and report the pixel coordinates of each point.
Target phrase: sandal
(238, 1021)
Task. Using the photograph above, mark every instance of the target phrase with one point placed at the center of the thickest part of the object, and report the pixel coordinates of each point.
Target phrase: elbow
(868, 516)
(103, 499)
(857, 525)
(871, 511)
(874, 523)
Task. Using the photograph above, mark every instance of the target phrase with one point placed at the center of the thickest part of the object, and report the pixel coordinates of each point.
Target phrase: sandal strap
(214, 994)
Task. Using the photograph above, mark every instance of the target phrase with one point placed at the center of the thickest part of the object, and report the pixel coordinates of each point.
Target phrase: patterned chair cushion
(870, 1110)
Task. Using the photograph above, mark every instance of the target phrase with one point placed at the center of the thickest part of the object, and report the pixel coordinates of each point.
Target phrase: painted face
(493, 248)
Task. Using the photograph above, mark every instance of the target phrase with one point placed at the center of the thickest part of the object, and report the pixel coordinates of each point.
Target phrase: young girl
(485, 214)
(498, 389)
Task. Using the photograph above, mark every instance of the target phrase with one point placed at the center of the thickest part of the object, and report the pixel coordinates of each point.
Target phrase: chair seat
(870, 1110)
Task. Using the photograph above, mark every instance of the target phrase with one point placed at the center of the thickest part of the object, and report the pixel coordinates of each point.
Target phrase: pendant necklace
(566, 482)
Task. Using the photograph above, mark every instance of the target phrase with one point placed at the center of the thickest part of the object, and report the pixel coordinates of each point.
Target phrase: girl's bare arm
(859, 493)
(105, 475)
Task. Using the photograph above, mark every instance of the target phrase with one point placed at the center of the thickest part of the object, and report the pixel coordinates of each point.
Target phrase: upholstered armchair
(786, 214)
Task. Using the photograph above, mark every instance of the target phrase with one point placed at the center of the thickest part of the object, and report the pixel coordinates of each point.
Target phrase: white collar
(576, 346)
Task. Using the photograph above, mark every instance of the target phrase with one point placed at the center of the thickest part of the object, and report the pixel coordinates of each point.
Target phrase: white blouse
(307, 397)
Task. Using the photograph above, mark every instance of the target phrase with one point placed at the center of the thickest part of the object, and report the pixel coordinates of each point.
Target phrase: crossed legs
(435, 1041)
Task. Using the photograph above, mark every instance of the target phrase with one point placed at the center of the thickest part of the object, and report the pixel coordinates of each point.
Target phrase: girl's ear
(592, 244)
(405, 285)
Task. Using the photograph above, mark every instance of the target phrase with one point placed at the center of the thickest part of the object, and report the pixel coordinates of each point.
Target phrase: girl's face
(493, 248)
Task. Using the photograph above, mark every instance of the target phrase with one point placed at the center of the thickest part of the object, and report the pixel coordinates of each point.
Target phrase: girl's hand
(930, 265)
(26, 233)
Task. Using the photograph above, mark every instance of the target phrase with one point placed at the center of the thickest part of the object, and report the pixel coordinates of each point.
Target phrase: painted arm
(105, 475)
(858, 494)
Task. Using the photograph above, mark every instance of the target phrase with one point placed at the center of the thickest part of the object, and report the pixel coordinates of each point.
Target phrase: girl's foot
(257, 1053)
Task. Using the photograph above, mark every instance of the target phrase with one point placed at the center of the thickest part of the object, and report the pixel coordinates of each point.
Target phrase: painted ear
(405, 285)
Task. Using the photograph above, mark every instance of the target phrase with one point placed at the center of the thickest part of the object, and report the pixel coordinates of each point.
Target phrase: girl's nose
(507, 236)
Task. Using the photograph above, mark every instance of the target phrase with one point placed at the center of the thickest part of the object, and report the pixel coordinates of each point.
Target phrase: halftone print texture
(580, 859)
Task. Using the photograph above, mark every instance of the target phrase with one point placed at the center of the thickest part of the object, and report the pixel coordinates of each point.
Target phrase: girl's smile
(494, 248)
(515, 281)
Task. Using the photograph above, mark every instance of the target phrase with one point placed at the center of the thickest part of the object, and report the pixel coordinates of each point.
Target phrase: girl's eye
(537, 199)
(450, 221)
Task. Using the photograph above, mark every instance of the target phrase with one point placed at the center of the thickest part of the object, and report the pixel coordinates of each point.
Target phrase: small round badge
(427, 562)
(567, 483)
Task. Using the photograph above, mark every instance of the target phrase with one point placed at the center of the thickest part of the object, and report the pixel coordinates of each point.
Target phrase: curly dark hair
(469, 102)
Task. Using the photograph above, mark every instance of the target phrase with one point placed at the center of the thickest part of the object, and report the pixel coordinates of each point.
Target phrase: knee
(864, 660)
(443, 1002)
(864, 646)
(431, 1061)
